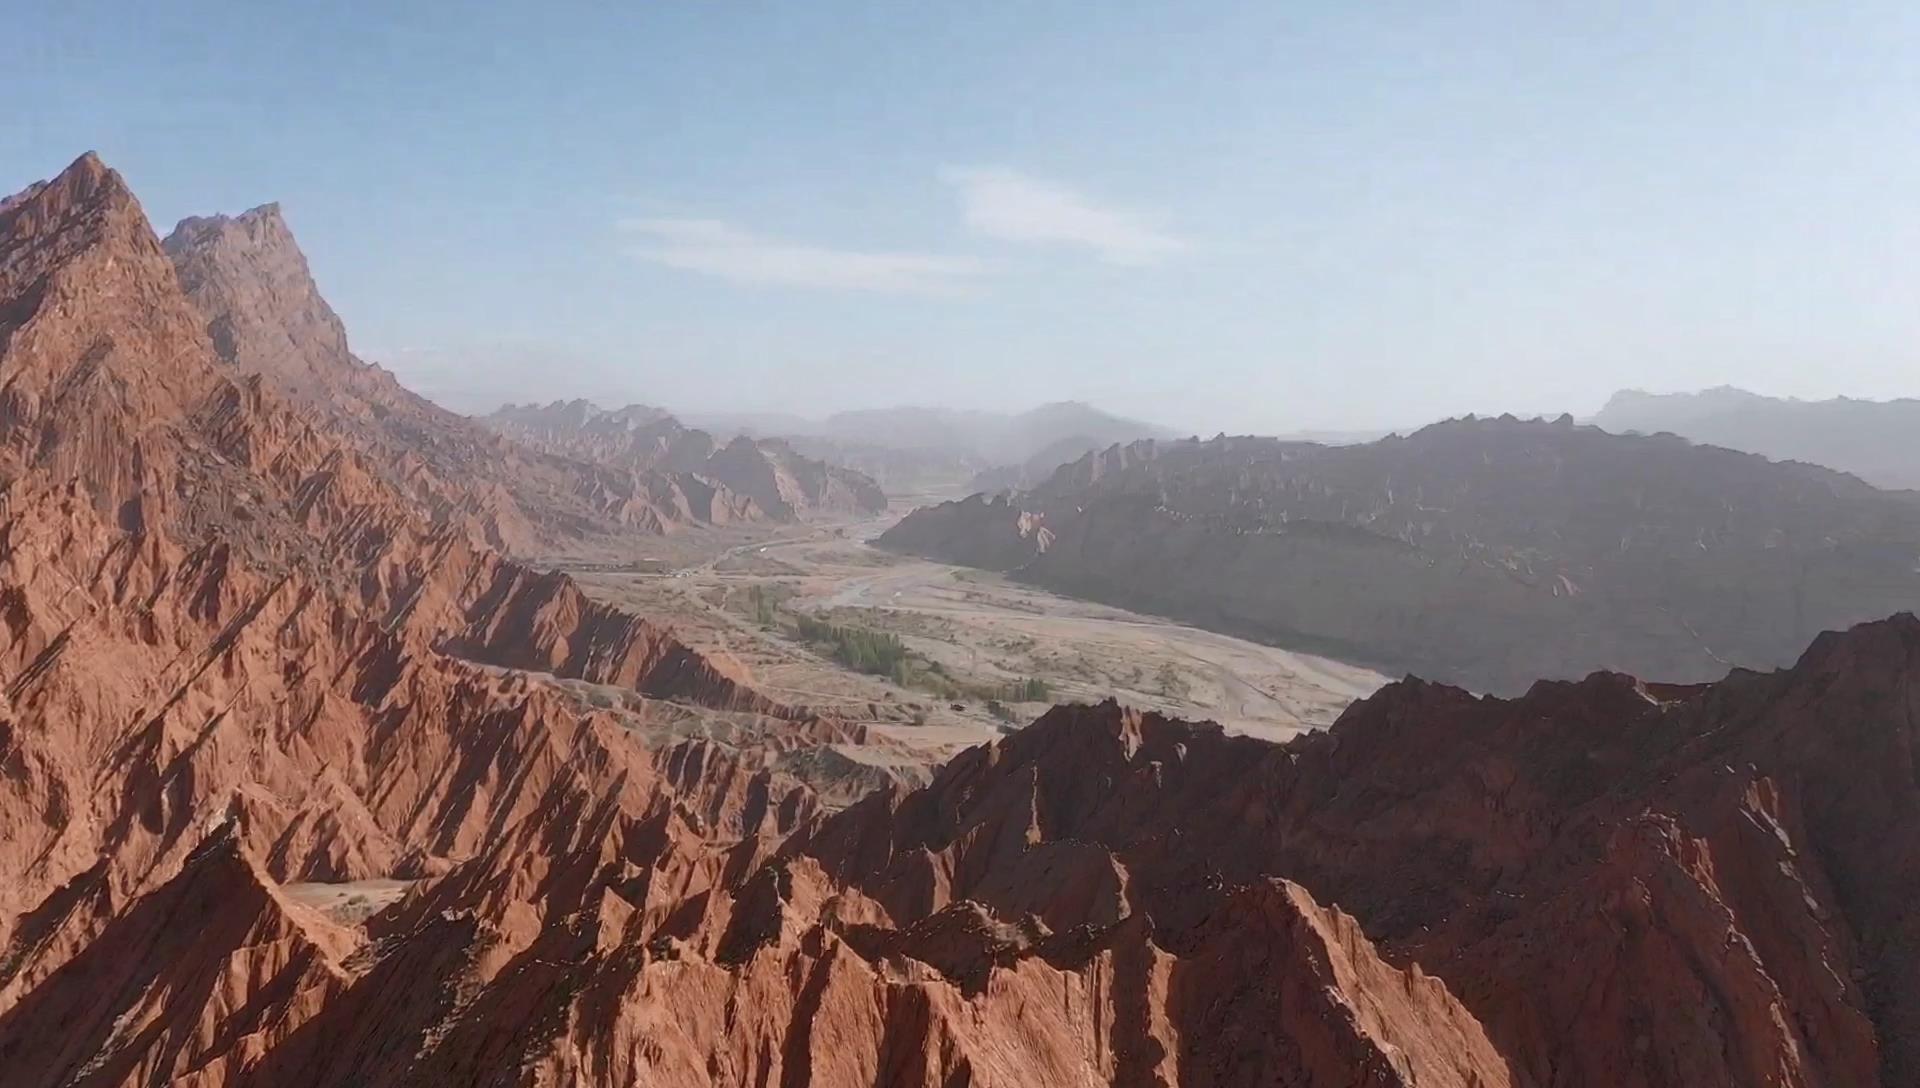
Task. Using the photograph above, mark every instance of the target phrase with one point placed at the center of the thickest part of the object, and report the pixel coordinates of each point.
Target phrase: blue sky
(1250, 217)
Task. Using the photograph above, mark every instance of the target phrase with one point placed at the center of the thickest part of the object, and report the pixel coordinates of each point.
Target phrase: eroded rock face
(1621, 885)
(221, 622)
(248, 280)
(235, 657)
(780, 482)
(1485, 552)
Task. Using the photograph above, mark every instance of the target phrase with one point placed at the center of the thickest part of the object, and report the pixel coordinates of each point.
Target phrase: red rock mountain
(237, 661)
(225, 627)
(780, 481)
(1487, 552)
(249, 281)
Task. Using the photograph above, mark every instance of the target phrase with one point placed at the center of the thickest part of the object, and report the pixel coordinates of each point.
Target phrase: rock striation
(237, 660)
(223, 623)
(249, 282)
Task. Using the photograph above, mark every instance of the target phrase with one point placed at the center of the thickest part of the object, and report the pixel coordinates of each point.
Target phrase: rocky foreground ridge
(1485, 552)
(237, 661)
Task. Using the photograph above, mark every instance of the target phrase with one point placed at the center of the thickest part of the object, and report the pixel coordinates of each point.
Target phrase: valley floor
(969, 633)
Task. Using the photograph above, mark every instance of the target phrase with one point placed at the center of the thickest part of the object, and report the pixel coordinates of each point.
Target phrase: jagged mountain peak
(261, 221)
(88, 178)
(265, 313)
(87, 193)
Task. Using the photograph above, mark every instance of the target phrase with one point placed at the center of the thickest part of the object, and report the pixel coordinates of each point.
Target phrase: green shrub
(857, 648)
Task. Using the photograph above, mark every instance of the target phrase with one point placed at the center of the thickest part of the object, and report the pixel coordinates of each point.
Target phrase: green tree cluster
(765, 606)
(859, 649)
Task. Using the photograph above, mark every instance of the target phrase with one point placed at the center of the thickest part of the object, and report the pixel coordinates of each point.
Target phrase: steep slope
(779, 481)
(1623, 884)
(249, 280)
(1878, 441)
(1486, 552)
(234, 657)
(221, 623)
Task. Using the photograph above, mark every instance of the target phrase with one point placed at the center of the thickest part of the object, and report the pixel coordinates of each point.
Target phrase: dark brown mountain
(1485, 552)
(781, 482)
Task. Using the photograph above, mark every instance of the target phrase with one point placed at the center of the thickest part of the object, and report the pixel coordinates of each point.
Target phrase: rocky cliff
(237, 653)
(1485, 552)
(264, 316)
(237, 664)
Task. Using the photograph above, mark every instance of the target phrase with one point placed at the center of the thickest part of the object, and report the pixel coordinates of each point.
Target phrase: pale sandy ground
(983, 628)
(349, 901)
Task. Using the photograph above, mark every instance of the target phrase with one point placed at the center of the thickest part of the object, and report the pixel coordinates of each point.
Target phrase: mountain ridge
(780, 481)
(1872, 439)
(239, 659)
(266, 317)
(1488, 552)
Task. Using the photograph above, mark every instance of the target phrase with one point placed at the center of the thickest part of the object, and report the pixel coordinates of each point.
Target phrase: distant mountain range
(1878, 441)
(781, 483)
(1487, 552)
(909, 448)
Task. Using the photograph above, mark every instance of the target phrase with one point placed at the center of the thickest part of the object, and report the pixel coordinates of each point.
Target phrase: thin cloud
(1006, 204)
(716, 248)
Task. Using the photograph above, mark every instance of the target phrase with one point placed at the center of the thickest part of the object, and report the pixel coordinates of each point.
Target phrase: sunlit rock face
(239, 660)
